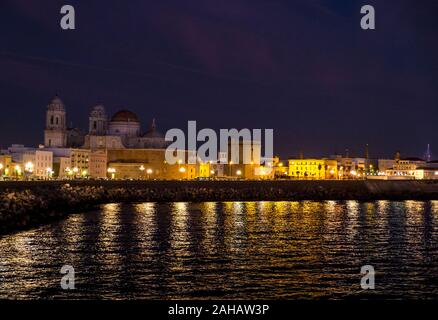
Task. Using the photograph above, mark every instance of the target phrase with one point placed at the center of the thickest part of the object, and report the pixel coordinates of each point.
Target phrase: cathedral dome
(153, 132)
(124, 116)
(125, 123)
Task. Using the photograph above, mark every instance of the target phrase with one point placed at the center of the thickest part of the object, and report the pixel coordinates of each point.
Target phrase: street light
(112, 171)
(17, 170)
(142, 168)
(149, 172)
(69, 172)
(239, 173)
(49, 172)
(28, 167)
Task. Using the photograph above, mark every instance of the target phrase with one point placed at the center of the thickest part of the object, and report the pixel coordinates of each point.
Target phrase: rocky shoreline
(27, 204)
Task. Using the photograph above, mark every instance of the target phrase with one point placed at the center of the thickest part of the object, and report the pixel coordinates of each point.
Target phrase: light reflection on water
(226, 250)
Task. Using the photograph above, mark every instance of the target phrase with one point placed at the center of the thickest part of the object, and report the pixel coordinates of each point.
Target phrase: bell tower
(55, 133)
(98, 121)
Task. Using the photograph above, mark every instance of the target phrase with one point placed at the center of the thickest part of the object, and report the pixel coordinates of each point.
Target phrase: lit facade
(151, 164)
(407, 168)
(98, 164)
(6, 165)
(313, 169)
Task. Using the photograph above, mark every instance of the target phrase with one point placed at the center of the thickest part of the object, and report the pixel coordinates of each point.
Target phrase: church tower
(98, 121)
(55, 133)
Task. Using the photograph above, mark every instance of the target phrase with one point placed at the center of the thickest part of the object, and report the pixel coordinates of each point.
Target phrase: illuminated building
(97, 164)
(123, 131)
(313, 169)
(35, 162)
(151, 164)
(70, 162)
(55, 133)
(281, 168)
(244, 161)
(385, 164)
(406, 169)
(6, 165)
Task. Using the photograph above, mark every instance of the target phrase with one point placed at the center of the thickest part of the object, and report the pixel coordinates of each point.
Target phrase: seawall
(24, 204)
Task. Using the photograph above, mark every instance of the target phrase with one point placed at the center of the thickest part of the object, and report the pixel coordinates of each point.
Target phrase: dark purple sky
(304, 68)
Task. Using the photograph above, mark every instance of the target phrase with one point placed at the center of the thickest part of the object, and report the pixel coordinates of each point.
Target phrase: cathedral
(122, 131)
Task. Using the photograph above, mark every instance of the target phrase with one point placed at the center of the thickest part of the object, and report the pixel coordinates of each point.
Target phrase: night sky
(304, 68)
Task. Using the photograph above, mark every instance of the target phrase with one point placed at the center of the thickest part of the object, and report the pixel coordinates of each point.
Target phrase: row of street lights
(26, 172)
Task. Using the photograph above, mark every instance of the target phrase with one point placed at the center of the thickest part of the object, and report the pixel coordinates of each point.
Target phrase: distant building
(6, 166)
(281, 168)
(55, 133)
(385, 164)
(406, 168)
(70, 162)
(151, 164)
(313, 169)
(98, 164)
(32, 162)
(122, 132)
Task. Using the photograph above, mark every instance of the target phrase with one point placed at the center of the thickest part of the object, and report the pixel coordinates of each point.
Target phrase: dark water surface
(243, 250)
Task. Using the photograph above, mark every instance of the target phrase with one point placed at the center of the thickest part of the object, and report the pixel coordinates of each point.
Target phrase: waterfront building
(38, 164)
(426, 173)
(265, 171)
(151, 164)
(385, 164)
(6, 165)
(406, 169)
(353, 168)
(244, 161)
(70, 162)
(281, 169)
(33, 163)
(98, 164)
(313, 169)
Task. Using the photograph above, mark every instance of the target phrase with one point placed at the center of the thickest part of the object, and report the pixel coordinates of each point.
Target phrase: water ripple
(229, 250)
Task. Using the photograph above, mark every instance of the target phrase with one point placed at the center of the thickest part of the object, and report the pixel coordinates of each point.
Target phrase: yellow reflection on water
(209, 218)
(353, 208)
(145, 212)
(434, 209)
